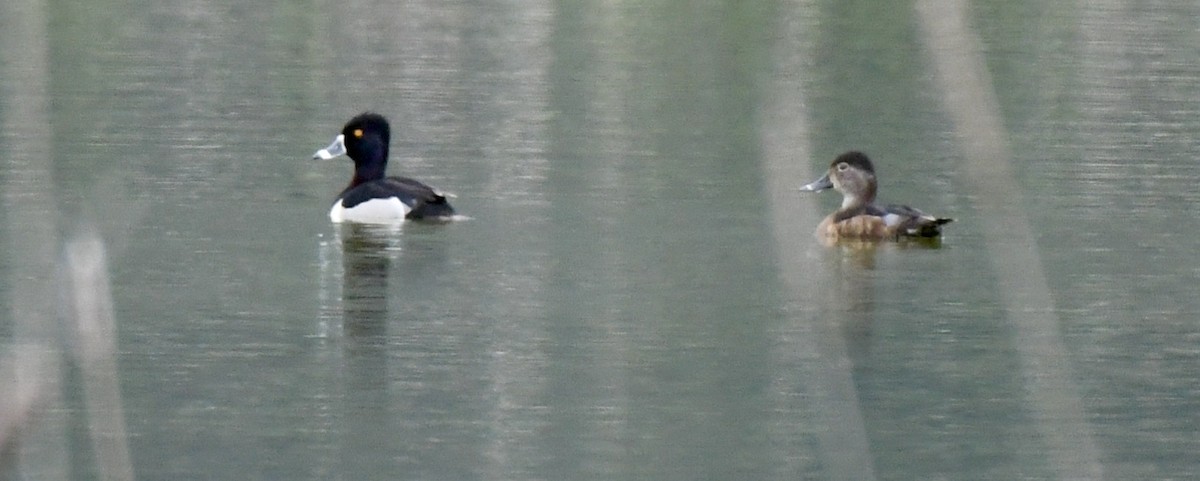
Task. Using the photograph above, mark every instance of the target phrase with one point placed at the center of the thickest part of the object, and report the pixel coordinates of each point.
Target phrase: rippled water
(635, 292)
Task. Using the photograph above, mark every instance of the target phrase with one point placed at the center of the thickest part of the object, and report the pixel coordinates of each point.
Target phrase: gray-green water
(637, 294)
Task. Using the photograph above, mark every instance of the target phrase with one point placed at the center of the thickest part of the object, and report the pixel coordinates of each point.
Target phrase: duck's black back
(422, 199)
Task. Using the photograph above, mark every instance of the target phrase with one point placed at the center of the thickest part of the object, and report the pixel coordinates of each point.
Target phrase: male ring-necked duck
(859, 218)
(371, 196)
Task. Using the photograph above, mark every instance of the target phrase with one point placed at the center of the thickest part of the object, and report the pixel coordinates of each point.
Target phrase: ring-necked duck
(859, 218)
(372, 197)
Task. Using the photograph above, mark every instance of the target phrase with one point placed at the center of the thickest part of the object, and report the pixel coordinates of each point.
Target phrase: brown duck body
(860, 227)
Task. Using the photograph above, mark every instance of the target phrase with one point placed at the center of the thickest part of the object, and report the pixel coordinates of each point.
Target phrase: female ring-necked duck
(859, 218)
(371, 196)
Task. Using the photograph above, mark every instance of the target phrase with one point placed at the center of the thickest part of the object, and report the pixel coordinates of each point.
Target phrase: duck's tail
(430, 209)
(930, 226)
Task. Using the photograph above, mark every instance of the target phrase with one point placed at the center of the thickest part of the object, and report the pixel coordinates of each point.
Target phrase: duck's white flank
(375, 211)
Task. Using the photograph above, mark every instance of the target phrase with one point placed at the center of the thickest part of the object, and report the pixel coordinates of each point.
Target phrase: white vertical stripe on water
(971, 104)
(29, 208)
(95, 330)
(824, 382)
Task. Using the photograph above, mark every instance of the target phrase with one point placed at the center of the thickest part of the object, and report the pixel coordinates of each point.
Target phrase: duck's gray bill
(338, 147)
(818, 185)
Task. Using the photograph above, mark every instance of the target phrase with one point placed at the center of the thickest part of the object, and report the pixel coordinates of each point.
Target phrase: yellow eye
(358, 133)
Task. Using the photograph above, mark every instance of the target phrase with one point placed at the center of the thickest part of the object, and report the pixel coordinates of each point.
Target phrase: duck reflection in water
(367, 252)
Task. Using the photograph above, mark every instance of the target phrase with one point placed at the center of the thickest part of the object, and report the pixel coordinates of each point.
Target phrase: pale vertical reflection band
(29, 209)
(809, 342)
(95, 350)
(971, 104)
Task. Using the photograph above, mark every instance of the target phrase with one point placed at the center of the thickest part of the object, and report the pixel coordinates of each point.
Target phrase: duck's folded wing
(912, 221)
(425, 200)
(903, 210)
(415, 189)
(408, 191)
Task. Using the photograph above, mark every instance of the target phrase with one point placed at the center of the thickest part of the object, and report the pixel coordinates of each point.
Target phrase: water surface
(636, 294)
